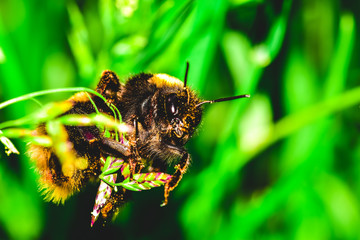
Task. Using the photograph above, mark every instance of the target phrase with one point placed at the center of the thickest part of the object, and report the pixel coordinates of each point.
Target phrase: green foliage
(281, 165)
(137, 182)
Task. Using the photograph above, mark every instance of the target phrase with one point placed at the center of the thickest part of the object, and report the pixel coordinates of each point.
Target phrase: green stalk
(45, 92)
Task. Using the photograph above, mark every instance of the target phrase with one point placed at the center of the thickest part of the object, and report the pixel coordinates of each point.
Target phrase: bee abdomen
(58, 181)
(53, 183)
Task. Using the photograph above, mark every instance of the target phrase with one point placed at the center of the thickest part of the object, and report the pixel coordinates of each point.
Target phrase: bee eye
(172, 105)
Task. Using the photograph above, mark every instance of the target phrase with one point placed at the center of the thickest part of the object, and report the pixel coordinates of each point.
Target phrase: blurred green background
(284, 164)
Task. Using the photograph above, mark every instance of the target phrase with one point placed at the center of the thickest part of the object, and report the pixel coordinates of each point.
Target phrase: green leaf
(112, 165)
(125, 171)
(79, 42)
(152, 176)
(132, 186)
(145, 181)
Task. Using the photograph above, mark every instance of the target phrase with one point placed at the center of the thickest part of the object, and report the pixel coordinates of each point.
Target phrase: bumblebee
(162, 114)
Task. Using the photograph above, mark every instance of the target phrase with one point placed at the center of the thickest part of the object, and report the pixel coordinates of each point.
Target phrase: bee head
(166, 113)
(183, 109)
(181, 114)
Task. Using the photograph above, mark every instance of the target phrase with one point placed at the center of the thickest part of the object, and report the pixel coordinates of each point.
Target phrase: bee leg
(136, 126)
(181, 168)
(134, 162)
(112, 147)
(109, 85)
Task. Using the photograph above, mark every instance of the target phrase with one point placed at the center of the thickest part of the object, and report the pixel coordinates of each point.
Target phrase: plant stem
(45, 92)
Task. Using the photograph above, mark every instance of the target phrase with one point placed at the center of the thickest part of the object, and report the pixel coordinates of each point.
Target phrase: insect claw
(166, 194)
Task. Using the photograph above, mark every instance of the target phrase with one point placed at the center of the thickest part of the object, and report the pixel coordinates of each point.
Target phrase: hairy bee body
(162, 114)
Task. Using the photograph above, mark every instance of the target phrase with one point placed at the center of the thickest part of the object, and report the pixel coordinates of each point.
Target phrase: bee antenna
(224, 99)
(186, 73)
